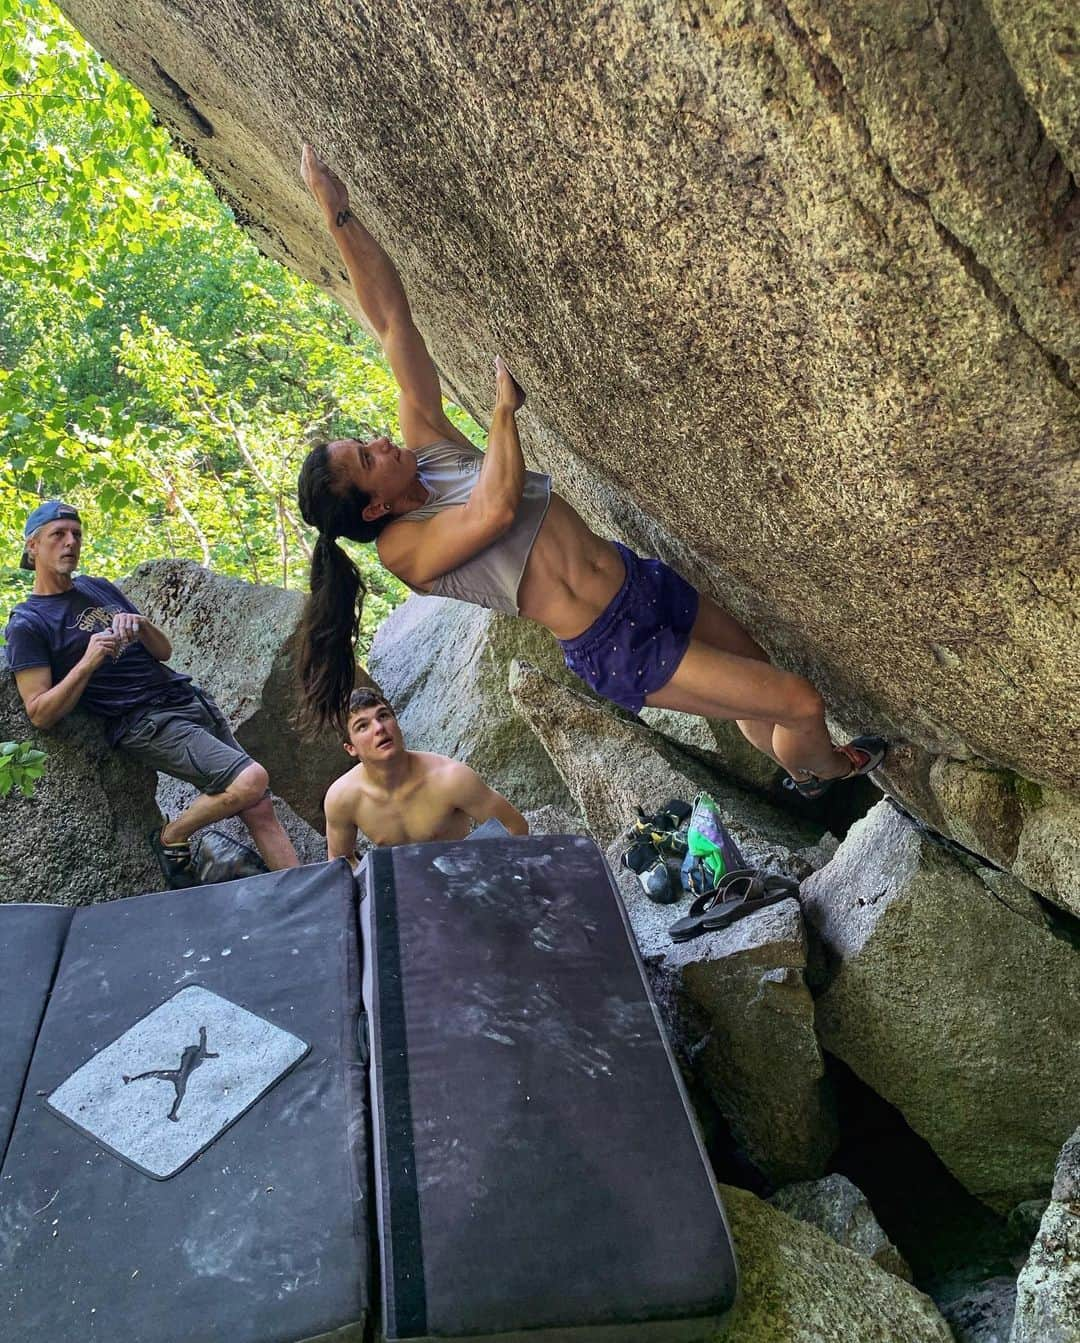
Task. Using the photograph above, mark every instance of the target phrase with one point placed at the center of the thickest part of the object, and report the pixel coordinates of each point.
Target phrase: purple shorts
(634, 646)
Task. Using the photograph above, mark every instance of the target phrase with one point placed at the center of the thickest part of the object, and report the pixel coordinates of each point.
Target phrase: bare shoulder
(433, 763)
(444, 771)
(344, 792)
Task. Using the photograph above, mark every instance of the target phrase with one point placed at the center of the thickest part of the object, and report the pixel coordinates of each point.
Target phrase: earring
(386, 508)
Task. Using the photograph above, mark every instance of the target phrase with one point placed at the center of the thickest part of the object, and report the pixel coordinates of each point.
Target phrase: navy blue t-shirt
(53, 631)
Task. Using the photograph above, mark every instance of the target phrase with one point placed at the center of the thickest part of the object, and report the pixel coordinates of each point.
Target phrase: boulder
(746, 1018)
(1030, 830)
(1048, 1289)
(82, 837)
(840, 1209)
(611, 764)
(958, 1010)
(718, 742)
(735, 1001)
(792, 288)
(444, 666)
(238, 640)
(984, 1315)
(797, 1285)
(552, 820)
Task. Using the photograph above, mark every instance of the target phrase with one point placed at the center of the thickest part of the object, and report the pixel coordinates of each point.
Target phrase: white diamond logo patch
(172, 1083)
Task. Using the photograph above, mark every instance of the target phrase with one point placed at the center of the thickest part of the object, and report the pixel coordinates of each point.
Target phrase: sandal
(175, 862)
(865, 754)
(737, 894)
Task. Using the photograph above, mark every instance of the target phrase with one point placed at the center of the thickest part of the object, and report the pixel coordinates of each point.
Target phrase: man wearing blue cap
(79, 641)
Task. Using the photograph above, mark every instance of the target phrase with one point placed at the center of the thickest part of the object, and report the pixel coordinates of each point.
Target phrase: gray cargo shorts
(192, 742)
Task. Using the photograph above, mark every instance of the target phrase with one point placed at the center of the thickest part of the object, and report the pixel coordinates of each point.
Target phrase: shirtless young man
(451, 520)
(397, 796)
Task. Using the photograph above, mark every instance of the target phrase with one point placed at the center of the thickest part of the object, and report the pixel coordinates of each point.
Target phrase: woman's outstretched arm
(382, 297)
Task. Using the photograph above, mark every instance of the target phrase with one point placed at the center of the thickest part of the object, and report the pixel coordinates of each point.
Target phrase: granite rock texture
(1048, 1289)
(1030, 830)
(445, 668)
(793, 289)
(238, 641)
(840, 1209)
(82, 837)
(798, 1286)
(961, 1012)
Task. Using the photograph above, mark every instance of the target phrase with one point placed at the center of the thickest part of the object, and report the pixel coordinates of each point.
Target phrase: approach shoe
(176, 863)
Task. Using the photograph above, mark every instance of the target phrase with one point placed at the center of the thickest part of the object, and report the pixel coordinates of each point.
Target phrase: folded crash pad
(538, 1173)
(31, 939)
(188, 1160)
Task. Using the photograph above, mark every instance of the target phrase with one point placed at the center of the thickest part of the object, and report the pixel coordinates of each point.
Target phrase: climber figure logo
(190, 1059)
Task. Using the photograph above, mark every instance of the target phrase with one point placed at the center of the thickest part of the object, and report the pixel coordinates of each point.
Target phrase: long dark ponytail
(331, 621)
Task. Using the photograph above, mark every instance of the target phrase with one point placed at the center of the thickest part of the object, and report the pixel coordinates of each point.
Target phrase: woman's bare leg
(714, 626)
(726, 674)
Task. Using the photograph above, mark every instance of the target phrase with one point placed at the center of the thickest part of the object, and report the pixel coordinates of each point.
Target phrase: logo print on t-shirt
(94, 619)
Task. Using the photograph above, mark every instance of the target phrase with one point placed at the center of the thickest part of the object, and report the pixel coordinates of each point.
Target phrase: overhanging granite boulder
(82, 837)
(959, 1010)
(238, 641)
(792, 288)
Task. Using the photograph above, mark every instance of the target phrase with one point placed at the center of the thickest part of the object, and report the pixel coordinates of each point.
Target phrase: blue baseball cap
(49, 511)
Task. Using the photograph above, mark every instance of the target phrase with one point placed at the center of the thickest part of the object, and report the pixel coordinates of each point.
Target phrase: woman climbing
(451, 520)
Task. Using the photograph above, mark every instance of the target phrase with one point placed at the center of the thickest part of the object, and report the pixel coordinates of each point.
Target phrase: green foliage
(20, 767)
(155, 369)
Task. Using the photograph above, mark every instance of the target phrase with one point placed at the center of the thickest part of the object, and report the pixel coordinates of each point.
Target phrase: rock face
(1048, 1290)
(611, 764)
(719, 742)
(83, 835)
(793, 289)
(958, 1010)
(757, 1052)
(736, 1001)
(984, 1315)
(798, 1286)
(445, 667)
(1031, 831)
(840, 1209)
(238, 641)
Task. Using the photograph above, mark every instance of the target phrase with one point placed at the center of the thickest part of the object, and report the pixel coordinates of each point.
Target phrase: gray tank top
(449, 472)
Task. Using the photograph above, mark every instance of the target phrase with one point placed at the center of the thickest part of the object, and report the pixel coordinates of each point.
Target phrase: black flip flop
(720, 908)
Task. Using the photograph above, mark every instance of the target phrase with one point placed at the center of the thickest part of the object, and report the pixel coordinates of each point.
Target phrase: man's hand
(127, 627)
(105, 644)
(327, 188)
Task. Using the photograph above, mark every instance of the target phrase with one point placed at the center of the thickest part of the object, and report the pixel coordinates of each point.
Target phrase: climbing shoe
(654, 876)
(865, 754)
